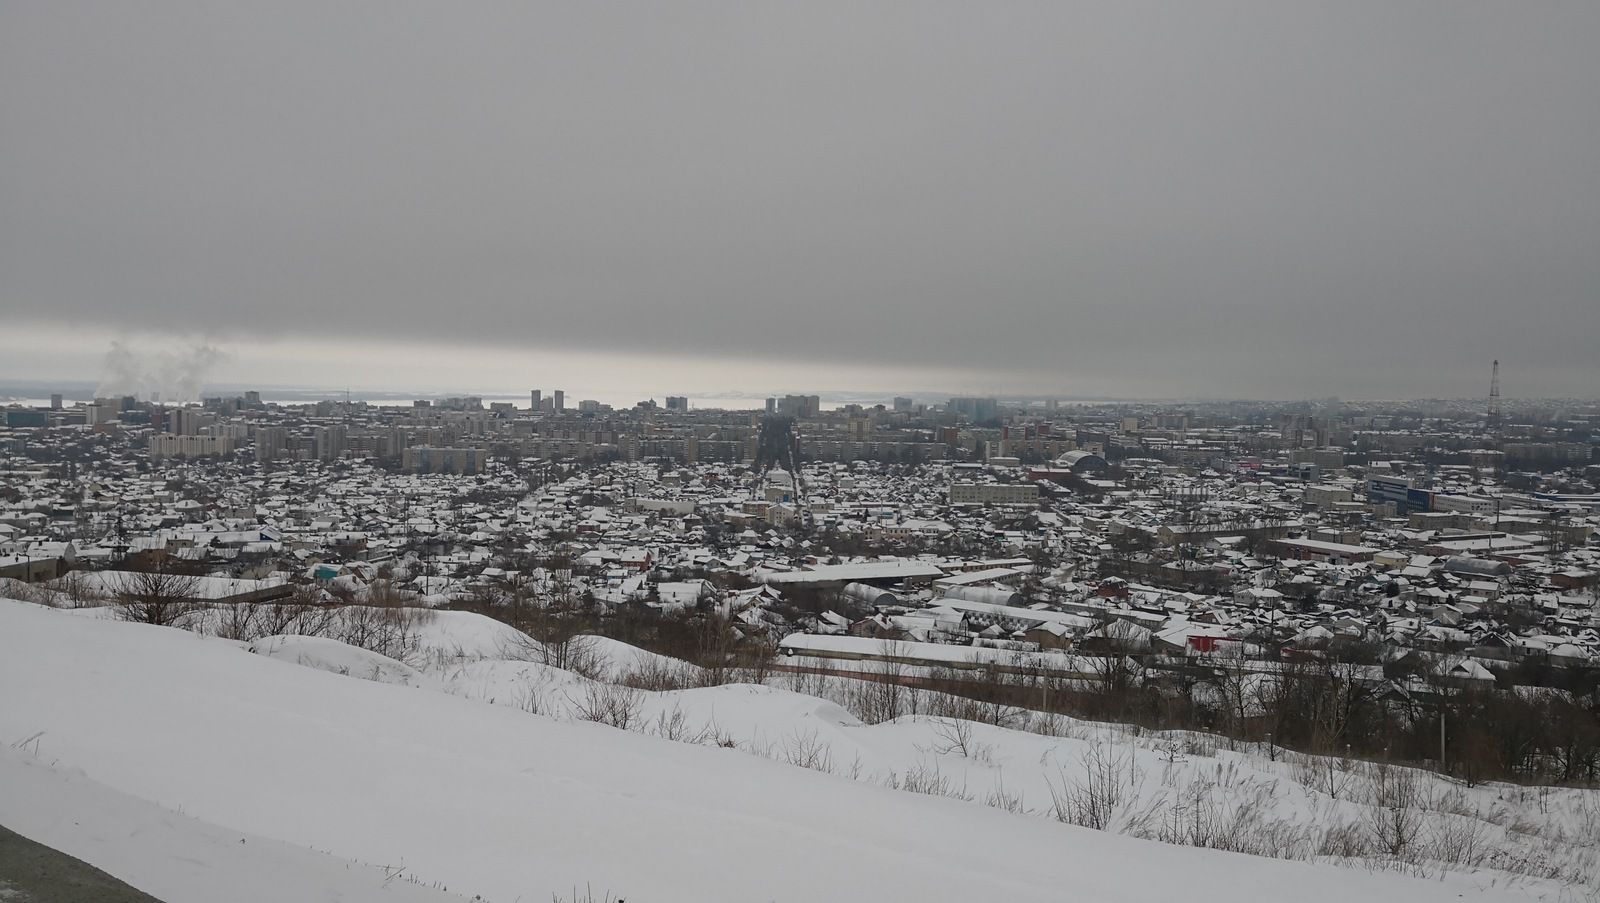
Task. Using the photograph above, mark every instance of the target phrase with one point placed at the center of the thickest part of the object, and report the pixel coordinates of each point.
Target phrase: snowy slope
(464, 636)
(491, 800)
(177, 858)
(338, 658)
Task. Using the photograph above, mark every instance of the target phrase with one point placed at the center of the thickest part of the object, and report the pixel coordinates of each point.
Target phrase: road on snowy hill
(34, 873)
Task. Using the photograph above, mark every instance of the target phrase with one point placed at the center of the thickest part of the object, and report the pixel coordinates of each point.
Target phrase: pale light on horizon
(94, 353)
(50, 351)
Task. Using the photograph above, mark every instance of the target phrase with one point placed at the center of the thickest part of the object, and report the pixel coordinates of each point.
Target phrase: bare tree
(883, 698)
(79, 591)
(554, 631)
(156, 596)
(239, 622)
(305, 612)
(386, 622)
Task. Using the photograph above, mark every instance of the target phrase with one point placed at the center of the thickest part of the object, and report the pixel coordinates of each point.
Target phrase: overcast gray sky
(1262, 199)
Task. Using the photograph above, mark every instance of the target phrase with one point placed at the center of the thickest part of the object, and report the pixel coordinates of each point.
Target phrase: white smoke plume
(174, 375)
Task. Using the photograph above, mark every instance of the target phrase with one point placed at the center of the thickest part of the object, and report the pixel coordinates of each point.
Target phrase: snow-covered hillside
(175, 856)
(122, 727)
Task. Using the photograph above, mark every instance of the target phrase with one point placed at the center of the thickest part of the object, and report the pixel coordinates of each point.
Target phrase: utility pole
(1441, 738)
(1133, 757)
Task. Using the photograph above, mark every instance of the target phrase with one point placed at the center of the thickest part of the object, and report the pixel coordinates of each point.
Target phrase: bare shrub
(30, 740)
(954, 736)
(1456, 839)
(1096, 799)
(757, 746)
(1172, 755)
(882, 699)
(38, 594)
(1344, 840)
(1048, 724)
(390, 630)
(157, 596)
(999, 798)
(1585, 819)
(660, 675)
(1452, 801)
(806, 683)
(75, 589)
(1193, 818)
(533, 700)
(754, 658)
(921, 778)
(1332, 776)
(1228, 812)
(578, 653)
(1394, 817)
(806, 750)
(965, 708)
(673, 725)
(554, 630)
(238, 622)
(619, 707)
(587, 896)
(853, 770)
(714, 734)
(78, 591)
(304, 613)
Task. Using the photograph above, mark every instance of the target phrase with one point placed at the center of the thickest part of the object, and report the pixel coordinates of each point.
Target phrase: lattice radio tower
(1492, 422)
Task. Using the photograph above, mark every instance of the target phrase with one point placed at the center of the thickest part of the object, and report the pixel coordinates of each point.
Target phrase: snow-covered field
(184, 764)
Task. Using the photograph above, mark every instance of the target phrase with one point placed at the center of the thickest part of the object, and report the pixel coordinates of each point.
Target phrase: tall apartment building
(167, 445)
(799, 406)
(188, 421)
(976, 410)
(270, 443)
(994, 493)
(427, 459)
(330, 442)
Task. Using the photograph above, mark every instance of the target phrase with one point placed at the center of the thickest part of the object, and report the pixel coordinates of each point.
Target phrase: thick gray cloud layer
(1261, 198)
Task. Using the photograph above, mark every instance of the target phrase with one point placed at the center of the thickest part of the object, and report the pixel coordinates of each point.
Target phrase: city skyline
(142, 365)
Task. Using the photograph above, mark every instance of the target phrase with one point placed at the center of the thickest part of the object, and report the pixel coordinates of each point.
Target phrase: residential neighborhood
(1364, 532)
